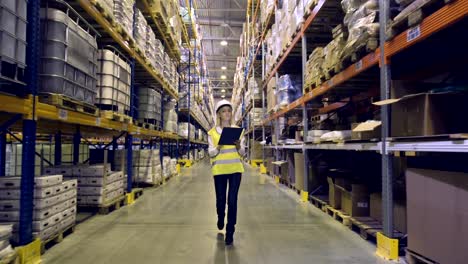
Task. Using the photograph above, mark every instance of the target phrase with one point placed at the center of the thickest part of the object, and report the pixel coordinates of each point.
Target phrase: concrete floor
(176, 223)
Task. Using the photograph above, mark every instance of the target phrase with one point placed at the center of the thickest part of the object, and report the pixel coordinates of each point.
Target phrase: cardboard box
(427, 114)
(334, 193)
(438, 214)
(299, 170)
(356, 201)
(366, 130)
(399, 212)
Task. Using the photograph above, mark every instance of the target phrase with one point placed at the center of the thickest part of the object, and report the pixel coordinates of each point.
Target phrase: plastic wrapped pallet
(267, 7)
(69, 57)
(123, 13)
(141, 30)
(170, 117)
(288, 90)
(166, 167)
(107, 6)
(113, 81)
(154, 50)
(13, 32)
(362, 21)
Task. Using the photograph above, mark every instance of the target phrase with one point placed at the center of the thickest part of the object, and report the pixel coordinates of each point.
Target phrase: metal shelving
(27, 115)
(367, 68)
(127, 46)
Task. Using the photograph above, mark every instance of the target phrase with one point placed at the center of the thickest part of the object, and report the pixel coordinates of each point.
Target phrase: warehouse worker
(227, 168)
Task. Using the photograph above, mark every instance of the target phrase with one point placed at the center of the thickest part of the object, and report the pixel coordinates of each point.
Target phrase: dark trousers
(221, 183)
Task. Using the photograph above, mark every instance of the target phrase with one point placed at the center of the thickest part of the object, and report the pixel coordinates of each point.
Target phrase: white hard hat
(222, 103)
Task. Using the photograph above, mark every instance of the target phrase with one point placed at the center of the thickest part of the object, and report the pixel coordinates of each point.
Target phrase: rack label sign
(62, 114)
(362, 205)
(413, 34)
(359, 65)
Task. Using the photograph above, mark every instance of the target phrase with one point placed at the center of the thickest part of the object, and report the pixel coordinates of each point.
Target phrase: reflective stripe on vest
(228, 159)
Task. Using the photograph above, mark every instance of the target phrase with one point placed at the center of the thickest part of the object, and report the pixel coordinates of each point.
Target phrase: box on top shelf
(428, 114)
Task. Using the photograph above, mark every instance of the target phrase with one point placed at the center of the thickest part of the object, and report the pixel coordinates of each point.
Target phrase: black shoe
(229, 239)
(220, 224)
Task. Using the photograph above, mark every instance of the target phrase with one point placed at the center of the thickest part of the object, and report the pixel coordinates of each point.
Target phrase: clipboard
(229, 135)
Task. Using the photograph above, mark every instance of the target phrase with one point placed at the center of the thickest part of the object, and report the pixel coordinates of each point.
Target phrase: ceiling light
(223, 91)
(223, 77)
(223, 43)
(223, 96)
(223, 68)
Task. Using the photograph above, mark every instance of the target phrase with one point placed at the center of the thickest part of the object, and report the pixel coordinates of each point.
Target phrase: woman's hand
(238, 146)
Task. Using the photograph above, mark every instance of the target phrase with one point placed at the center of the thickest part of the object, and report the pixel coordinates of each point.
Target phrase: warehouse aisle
(176, 223)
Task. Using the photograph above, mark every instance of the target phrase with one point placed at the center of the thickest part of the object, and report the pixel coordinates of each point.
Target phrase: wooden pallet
(360, 51)
(338, 215)
(415, 258)
(308, 9)
(145, 125)
(107, 14)
(138, 192)
(65, 102)
(106, 208)
(48, 243)
(111, 115)
(12, 258)
(413, 18)
(319, 202)
(335, 69)
(368, 227)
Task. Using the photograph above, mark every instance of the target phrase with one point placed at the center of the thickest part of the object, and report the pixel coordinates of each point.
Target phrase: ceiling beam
(222, 38)
(221, 9)
(213, 21)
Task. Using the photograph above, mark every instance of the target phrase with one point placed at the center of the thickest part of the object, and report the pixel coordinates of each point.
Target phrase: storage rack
(373, 67)
(194, 66)
(24, 117)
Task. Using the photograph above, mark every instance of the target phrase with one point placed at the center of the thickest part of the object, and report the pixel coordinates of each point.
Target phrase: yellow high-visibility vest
(228, 160)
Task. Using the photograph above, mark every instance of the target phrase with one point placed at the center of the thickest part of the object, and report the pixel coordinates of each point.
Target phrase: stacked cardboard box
(271, 95)
(47, 150)
(146, 165)
(437, 214)
(54, 204)
(332, 51)
(97, 185)
(184, 130)
(6, 233)
(169, 167)
(314, 70)
(256, 116)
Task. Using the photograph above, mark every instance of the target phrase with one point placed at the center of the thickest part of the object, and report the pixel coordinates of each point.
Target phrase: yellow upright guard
(387, 248)
(31, 253)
